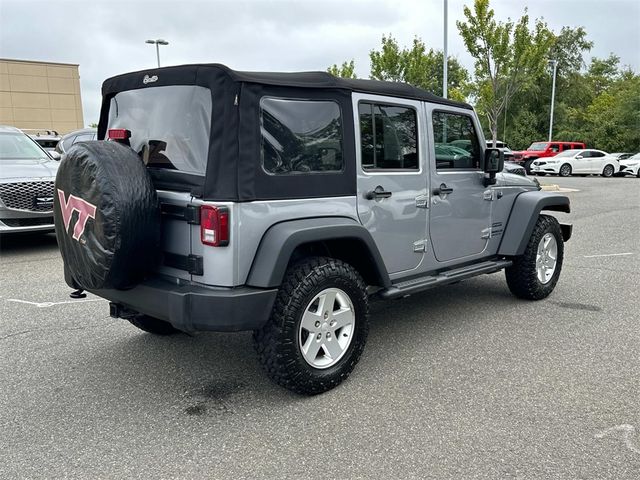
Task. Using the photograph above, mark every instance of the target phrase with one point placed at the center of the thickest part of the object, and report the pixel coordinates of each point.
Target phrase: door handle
(442, 190)
(379, 192)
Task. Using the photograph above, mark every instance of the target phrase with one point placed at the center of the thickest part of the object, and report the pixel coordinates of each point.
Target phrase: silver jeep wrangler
(219, 200)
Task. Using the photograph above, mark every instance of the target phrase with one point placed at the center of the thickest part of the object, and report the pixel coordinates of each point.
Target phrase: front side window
(300, 136)
(388, 137)
(169, 125)
(538, 147)
(456, 142)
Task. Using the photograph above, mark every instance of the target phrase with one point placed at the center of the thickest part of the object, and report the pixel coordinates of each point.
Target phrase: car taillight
(214, 226)
(118, 134)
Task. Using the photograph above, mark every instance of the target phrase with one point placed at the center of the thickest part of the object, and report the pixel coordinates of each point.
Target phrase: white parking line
(51, 304)
(628, 432)
(609, 255)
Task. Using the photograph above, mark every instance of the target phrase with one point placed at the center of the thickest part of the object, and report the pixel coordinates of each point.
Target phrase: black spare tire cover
(106, 215)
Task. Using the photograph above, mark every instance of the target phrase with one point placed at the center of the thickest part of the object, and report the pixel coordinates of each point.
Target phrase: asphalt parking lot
(463, 381)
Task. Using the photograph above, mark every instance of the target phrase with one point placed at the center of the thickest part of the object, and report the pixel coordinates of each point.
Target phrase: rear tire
(153, 325)
(312, 360)
(534, 274)
(565, 170)
(608, 171)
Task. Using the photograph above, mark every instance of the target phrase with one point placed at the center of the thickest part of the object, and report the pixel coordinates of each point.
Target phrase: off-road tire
(277, 342)
(608, 171)
(522, 277)
(527, 165)
(565, 172)
(153, 325)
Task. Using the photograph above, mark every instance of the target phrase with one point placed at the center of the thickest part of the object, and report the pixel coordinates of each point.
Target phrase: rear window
(169, 125)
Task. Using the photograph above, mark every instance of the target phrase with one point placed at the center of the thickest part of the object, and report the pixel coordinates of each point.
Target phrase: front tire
(534, 274)
(565, 170)
(318, 326)
(608, 171)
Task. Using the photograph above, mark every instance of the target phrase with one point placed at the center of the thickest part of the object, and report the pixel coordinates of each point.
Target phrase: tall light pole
(445, 59)
(554, 64)
(157, 43)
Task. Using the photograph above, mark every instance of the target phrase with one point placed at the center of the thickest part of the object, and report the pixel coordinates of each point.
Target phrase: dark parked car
(83, 135)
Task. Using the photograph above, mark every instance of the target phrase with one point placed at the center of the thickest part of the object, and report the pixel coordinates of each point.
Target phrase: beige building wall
(40, 95)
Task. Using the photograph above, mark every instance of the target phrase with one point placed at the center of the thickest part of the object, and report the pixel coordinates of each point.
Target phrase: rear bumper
(193, 308)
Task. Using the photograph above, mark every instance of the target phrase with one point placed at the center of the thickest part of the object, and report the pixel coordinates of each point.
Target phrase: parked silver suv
(27, 175)
(284, 202)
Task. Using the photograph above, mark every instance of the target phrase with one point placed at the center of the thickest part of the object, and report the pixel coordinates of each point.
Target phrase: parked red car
(543, 149)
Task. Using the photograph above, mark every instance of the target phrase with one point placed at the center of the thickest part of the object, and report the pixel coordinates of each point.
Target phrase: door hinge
(420, 246)
(189, 263)
(488, 195)
(486, 233)
(422, 201)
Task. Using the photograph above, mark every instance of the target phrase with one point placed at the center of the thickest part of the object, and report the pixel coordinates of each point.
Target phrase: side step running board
(414, 285)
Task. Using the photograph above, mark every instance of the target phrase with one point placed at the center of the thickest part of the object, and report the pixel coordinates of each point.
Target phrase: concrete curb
(557, 188)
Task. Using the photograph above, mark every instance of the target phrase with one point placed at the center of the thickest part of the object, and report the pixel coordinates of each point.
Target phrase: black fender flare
(280, 241)
(524, 215)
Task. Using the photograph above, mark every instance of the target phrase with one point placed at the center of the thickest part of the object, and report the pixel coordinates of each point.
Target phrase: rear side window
(83, 137)
(388, 137)
(456, 141)
(169, 125)
(300, 136)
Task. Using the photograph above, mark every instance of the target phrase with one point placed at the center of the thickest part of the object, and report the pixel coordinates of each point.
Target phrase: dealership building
(40, 95)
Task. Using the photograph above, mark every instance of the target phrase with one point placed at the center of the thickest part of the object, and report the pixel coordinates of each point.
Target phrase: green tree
(507, 56)
(418, 66)
(346, 70)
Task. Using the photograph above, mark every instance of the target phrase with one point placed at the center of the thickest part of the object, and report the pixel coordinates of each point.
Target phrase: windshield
(538, 147)
(634, 157)
(169, 125)
(18, 146)
(567, 153)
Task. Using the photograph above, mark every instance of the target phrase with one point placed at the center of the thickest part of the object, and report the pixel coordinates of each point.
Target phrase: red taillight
(214, 226)
(118, 134)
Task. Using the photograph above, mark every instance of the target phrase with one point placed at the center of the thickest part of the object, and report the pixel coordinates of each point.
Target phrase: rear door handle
(376, 194)
(442, 190)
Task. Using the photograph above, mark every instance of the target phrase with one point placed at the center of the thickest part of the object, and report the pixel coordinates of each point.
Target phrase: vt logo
(85, 211)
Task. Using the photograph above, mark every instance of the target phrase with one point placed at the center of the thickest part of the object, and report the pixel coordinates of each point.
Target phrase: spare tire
(106, 215)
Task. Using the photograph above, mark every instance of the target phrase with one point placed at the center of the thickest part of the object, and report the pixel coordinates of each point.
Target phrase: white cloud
(107, 37)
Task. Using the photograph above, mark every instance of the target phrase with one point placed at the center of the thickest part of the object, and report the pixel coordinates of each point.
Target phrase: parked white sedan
(630, 166)
(571, 162)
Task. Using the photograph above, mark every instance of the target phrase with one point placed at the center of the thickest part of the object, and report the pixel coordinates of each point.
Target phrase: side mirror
(55, 155)
(493, 163)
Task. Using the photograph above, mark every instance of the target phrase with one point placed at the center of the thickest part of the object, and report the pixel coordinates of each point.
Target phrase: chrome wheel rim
(565, 170)
(546, 258)
(327, 328)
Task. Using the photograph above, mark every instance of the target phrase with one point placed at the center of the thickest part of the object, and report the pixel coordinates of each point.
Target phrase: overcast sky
(107, 37)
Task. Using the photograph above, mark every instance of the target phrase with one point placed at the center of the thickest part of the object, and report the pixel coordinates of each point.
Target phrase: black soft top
(234, 171)
(200, 73)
